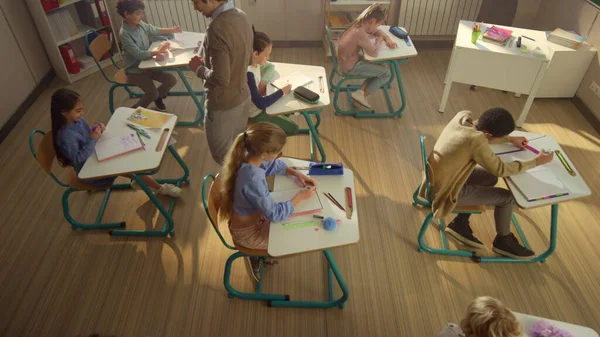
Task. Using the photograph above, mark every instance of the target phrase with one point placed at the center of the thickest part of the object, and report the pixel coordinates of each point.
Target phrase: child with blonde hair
(357, 38)
(485, 317)
(246, 201)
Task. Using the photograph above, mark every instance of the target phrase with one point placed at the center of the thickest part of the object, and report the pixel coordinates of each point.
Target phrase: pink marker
(532, 149)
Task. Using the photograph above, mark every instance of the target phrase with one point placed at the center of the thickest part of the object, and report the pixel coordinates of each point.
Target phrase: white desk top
(289, 103)
(299, 240)
(463, 40)
(138, 161)
(579, 331)
(401, 52)
(576, 186)
(177, 58)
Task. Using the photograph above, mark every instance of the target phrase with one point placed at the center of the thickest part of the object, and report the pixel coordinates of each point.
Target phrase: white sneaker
(359, 97)
(169, 189)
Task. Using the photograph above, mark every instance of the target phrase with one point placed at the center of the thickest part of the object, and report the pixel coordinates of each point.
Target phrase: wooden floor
(59, 282)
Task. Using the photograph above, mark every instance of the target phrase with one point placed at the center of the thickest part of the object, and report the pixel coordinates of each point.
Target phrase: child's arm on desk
(388, 41)
(263, 102)
(169, 31)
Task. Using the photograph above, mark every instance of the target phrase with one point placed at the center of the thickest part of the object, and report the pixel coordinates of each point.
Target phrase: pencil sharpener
(519, 42)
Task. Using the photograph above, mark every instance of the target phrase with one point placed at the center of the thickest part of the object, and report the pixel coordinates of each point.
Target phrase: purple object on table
(544, 329)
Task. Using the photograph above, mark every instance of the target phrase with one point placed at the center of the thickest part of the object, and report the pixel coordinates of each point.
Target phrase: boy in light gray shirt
(134, 36)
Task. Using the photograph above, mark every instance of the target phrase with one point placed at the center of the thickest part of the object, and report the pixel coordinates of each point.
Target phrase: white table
(138, 162)
(301, 240)
(177, 58)
(284, 242)
(393, 58)
(403, 50)
(575, 184)
(498, 67)
(288, 104)
(578, 331)
(178, 61)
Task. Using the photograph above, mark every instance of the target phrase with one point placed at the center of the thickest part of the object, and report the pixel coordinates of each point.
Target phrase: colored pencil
(332, 199)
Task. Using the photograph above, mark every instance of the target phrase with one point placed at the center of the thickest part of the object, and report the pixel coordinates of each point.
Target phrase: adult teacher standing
(227, 53)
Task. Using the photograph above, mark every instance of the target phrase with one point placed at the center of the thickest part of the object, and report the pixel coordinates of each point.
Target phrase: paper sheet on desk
(113, 147)
(296, 79)
(310, 206)
(184, 40)
(539, 182)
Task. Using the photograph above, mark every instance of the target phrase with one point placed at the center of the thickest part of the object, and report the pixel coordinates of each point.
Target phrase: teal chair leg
(111, 96)
(97, 224)
(444, 251)
(332, 272)
(232, 292)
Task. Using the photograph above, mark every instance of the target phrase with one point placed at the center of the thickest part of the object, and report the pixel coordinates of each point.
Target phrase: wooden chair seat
(120, 77)
(469, 209)
(253, 252)
(80, 185)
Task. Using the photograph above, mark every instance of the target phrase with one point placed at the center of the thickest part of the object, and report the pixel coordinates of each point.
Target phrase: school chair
(212, 202)
(44, 154)
(99, 45)
(417, 201)
(337, 87)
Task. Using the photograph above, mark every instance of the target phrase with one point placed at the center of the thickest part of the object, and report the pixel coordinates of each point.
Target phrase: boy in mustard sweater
(458, 181)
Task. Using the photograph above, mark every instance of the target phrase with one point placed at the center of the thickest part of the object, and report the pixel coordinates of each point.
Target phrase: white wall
(23, 59)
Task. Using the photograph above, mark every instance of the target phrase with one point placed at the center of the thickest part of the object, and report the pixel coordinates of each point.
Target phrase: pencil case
(399, 32)
(325, 169)
(306, 95)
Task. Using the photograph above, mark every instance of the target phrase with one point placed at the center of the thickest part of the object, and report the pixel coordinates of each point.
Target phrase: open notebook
(117, 146)
(539, 183)
(310, 206)
(296, 79)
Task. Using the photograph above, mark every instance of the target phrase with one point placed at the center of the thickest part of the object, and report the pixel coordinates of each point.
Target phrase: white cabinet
(565, 71)
(286, 20)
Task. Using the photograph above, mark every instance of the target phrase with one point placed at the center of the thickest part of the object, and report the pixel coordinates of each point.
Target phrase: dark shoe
(461, 231)
(270, 261)
(253, 264)
(160, 105)
(508, 245)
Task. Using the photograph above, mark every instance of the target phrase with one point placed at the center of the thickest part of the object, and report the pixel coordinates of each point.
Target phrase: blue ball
(329, 224)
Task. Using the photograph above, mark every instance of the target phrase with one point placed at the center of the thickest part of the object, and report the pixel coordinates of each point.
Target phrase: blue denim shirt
(221, 9)
(251, 192)
(75, 144)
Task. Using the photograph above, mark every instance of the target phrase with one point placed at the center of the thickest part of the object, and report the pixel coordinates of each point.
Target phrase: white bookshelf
(76, 39)
(348, 7)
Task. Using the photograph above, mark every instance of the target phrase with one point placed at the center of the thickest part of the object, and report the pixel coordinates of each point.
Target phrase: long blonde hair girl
(488, 317)
(258, 139)
(375, 11)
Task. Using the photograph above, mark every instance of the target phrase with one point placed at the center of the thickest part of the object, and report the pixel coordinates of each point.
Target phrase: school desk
(577, 188)
(393, 58)
(143, 162)
(578, 331)
(493, 66)
(286, 242)
(288, 104)
(178, 61)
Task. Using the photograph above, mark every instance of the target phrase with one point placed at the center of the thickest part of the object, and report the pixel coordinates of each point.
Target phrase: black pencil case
(324, 169)
(306, 95)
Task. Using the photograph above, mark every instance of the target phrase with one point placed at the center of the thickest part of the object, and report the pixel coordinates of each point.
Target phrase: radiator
(436, 17)
(167, 13)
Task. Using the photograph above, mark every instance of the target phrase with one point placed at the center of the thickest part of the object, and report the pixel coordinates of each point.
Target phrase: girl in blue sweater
(74, 141)
(246, 200)
(262, 51)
